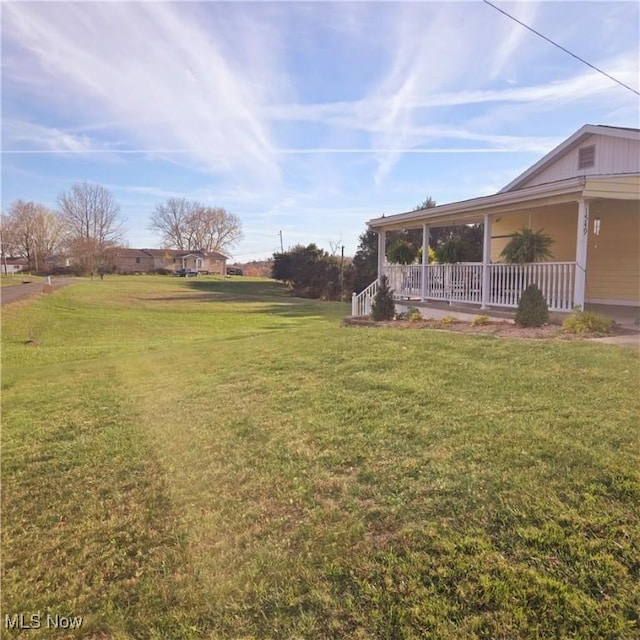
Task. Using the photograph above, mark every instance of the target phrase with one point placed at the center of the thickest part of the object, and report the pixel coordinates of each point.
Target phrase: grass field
(214, 459)
(12, 280)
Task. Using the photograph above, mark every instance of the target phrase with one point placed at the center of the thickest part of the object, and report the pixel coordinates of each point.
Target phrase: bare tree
(91, 218)
(31, 231)
(173, 220)
(215, 229)
(189, 225)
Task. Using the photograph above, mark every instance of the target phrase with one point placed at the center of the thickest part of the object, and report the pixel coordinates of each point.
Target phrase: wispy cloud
(507, 46)
(161, 70)
(308, 117)
(27, 137)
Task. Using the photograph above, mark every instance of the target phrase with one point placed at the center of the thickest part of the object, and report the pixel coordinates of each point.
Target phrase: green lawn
(14, 279)
(212, 458)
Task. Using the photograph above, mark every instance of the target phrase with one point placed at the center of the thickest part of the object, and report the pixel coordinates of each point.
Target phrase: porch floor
(626, 317)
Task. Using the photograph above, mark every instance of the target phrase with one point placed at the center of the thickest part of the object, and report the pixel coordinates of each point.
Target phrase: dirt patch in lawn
(498, 328)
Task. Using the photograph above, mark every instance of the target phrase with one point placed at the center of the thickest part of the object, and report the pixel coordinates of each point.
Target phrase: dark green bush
(383, 306)
(532, 308)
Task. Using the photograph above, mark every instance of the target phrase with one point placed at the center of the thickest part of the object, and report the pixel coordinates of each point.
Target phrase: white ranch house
(585, 194)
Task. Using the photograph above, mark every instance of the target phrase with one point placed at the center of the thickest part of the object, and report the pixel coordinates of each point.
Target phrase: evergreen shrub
(383, 306)
(532, 308)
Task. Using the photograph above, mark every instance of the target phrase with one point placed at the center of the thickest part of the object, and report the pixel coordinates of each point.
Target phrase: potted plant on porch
(404, 254)
(525, 247)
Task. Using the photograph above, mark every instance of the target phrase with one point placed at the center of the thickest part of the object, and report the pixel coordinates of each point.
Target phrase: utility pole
(341, 270)
(281, 245)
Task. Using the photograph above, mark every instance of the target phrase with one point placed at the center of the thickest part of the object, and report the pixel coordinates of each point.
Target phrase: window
(137, 260)
(586, 157)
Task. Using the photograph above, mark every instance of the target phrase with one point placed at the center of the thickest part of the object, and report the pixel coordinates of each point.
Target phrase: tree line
(86, 226)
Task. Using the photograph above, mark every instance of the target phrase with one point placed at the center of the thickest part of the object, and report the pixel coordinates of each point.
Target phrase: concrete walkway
(631, 340)
(31, 289)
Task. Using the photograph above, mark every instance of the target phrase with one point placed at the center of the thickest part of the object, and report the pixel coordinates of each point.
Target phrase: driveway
(25, 291)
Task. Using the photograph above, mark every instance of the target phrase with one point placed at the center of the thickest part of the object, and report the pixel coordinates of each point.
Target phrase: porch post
(581, 253)
(425, 260)
(486, 259)
(382, 247)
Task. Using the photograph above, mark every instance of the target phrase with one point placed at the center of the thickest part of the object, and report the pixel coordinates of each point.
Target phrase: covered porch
(595, 226)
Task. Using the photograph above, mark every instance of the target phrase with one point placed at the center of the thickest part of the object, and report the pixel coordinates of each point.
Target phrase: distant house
(585, 194)
(13, 265)
(174, 260)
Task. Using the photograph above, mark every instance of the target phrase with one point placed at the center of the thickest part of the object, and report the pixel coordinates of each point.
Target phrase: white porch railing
(405, 280)
(361, 302)
(462, 282)
(555, 279)
(454, 282)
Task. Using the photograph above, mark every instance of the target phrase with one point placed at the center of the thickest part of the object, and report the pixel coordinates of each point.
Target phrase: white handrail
(361, 302)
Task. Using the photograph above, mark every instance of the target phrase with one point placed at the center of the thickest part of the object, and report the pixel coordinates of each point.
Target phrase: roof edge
(560, 187)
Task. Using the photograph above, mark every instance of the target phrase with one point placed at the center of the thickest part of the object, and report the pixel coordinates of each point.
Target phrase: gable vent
(586, 157)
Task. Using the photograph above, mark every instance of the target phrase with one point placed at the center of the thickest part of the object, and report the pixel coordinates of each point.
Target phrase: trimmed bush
(412, 314)
(532, 308)
(383, 306)
(586, 322)
(480, 321)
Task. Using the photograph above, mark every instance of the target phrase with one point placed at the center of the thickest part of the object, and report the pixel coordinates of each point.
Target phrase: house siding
(613, 268)
(131, 264)
(612, 156)
(558, 221)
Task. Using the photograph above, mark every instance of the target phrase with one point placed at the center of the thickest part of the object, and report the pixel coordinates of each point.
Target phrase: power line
(555, 44)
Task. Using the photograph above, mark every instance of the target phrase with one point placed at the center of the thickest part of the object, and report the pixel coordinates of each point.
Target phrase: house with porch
(174, 260)
(585, 194)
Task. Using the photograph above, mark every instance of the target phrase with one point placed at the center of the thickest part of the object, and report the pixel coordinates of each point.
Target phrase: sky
(302, 118)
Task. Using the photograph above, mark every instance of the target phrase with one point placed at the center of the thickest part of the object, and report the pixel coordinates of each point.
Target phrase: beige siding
(558, 221)
(618, 187)
(217, 266)
(613, 257)
(612, 156)
(131, 264)
(164, 262)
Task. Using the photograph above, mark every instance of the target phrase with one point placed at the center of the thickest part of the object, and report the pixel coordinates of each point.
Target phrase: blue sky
(305, 118)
